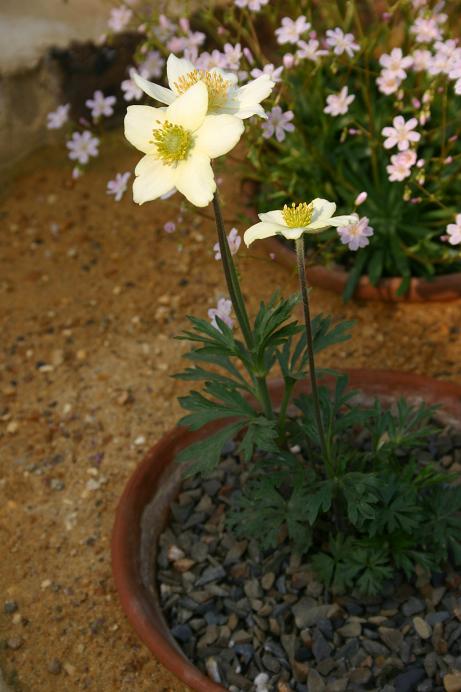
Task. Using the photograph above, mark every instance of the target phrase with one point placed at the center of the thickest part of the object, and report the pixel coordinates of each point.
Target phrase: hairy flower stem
(310, 343)
(238, 303)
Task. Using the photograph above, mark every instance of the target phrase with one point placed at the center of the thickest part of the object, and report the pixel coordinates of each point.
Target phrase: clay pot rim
(139, 605)
(443, 288)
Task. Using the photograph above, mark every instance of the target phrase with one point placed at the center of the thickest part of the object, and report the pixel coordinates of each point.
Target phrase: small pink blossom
(253, 5)
(310, 50)
(388, 82)
(131, 91)
(206, 61)
(360, 199)
(400, 166)
(288, 61)
(118, 186)
(421, 59)
(119, 18)
(273, 72)
(101, 105)
(355, 235)
(169, 227)
(292, 30)
(223, 311)
(338, 104)
(426, 30)
(233, 55)
(341, 42)
(234, 241)
(152, 66)
(401, 134)
(82, 146)
(396, 63)
(454, 231)
(277, 123)
(57, 118)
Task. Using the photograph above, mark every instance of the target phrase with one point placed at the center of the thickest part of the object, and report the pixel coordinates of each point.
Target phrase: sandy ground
(92, 293)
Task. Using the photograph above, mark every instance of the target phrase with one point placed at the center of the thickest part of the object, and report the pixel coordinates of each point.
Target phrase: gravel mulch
(261, 621)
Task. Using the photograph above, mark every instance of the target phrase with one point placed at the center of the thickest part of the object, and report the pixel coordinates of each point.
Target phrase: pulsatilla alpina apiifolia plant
(357, 510)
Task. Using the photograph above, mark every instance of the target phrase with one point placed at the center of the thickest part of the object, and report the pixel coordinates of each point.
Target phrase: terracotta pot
(143, 510)
(441, 288)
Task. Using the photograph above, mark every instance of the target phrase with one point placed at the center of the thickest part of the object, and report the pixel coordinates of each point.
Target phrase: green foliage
(366, 509)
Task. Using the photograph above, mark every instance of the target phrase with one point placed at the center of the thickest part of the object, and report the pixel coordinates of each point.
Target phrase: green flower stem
(238, 303)
(310, 343)
(283, 411)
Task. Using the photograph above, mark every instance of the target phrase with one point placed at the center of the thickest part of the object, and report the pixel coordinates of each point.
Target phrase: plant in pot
(346, 511)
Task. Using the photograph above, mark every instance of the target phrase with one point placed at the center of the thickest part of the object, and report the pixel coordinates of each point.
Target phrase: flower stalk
(238, 303)
(301, 264)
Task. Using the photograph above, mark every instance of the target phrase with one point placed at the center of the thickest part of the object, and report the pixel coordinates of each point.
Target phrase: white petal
(343, 220)
(323, 210)
(176, 68)
(153, 90)
(140, 121)
(190, 108)
(195, 180)
(294, 233)
(153, 180)
(262, 230)
(255, 91)
(275, 216)
(218, 134)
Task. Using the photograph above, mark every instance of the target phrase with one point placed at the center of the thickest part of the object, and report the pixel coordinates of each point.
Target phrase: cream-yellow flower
(291, 222)
(178, 142)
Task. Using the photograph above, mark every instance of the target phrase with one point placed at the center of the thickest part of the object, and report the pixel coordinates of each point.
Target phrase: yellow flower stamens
(173, 143)
(298, 216)
(215, 83)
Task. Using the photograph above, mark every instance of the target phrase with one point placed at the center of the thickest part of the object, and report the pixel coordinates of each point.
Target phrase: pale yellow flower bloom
(292, 222)
(224, 96)
(178, 142)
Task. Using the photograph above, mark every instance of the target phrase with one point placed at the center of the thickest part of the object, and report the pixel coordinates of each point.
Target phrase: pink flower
(253, 5)
(82, 145)
(360, 199)
(291, 30)
(421, 59)
(288, 61)
(355, 235)
(101, 105)
(454, 231)
(396, 62)
(118, 186)
(388, 82)
(278, 122)
(234, 242)
(310, 50)
(426, 29)
(273, 72)
(169, 227)
(131, 91)
(119, 18)
(57, 118)
(206, 61)
(233, 55)
(152, 65)
(401, 134)
(223, 311)
(400, 166)
(341, 42)
(338, 104)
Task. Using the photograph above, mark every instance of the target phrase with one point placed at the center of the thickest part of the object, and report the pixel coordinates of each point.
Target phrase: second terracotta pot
(446, 287)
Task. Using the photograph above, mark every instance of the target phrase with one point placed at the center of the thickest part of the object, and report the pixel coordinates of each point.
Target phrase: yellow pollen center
(216, 85)
(299, 215)
(173, 143)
